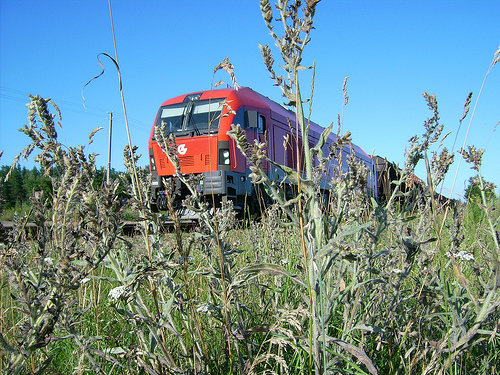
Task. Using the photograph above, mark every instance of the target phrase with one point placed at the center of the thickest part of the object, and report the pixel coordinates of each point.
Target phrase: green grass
(400, 320)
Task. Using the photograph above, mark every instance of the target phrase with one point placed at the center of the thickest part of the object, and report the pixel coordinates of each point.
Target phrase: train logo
(182, 149)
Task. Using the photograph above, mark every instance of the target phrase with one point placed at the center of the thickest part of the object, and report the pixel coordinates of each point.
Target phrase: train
(200, 121)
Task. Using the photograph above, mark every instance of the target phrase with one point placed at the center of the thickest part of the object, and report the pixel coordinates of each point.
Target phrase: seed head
(472, 156)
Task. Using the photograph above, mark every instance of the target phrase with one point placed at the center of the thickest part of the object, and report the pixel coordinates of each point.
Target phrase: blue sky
(392, 51)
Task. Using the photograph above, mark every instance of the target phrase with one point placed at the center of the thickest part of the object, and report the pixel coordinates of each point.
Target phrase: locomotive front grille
(186, 161)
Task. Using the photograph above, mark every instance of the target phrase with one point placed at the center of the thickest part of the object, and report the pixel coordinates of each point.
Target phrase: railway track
(130, 228)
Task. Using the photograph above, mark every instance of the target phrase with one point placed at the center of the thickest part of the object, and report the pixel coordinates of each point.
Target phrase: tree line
(23, 183)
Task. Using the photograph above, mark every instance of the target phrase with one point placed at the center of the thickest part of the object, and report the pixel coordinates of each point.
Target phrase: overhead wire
(69, 106)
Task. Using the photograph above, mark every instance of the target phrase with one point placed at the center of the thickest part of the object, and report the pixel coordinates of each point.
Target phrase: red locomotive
(200, 122)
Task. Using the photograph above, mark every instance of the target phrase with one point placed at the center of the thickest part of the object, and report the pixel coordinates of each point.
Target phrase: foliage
(473, 190)
(323, 283)
(23, 184)
(391, 301)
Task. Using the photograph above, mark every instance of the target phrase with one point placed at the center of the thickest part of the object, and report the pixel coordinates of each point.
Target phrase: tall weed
(72, 239)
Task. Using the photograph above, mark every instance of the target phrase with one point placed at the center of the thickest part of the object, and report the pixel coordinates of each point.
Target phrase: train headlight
(224, 157)
(152, 160)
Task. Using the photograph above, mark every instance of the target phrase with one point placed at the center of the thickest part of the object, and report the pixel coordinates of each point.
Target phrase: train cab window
(172, 117)
(261, 124)
(256, 122)
(251, 120)
(192, 117)
(205, 115)
(252, 117)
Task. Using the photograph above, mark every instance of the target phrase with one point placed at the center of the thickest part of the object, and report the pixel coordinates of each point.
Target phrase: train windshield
(191, 118)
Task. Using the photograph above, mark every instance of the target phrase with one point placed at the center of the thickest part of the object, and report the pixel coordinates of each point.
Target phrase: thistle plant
(178, 310)
(72, 240)
(212, 234)
(470, 315)
(305, 211)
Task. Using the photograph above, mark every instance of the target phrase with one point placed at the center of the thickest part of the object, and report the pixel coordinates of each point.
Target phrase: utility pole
(109, 146)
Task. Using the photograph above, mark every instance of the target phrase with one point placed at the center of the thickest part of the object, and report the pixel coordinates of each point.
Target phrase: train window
(256, 121)
(252, 120)
(261, 124)
(195, 116)
(205, 116)
(172, 117)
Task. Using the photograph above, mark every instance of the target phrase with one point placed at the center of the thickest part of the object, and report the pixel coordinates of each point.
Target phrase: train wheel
(153, 206)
